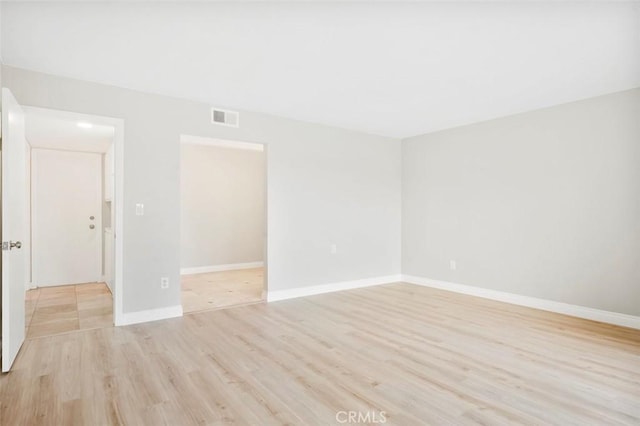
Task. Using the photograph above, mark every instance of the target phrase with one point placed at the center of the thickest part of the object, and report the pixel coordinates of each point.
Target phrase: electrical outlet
(452, 265)
(139, 209)
(164, 282)
(334, 249)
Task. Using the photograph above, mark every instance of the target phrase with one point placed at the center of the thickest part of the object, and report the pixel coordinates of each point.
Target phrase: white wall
(223, 218)
(325, 185)
(543, 204)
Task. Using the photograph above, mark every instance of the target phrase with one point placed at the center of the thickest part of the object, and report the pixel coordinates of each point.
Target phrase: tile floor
(214, 290)
(54, 310)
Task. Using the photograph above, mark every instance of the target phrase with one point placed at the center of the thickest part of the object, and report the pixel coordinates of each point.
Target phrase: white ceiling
(53, 130)
(396, 69)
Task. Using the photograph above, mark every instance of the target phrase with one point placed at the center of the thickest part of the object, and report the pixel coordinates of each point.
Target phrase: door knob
(91, 226)
(91, 217)
(8, 245)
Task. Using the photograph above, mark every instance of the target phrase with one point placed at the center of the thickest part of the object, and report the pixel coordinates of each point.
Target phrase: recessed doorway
(223, 223)
(71, 266)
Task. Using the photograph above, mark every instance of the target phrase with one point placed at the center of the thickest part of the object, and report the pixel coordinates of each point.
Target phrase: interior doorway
(71, 256)
(223, 223)
(26, 308)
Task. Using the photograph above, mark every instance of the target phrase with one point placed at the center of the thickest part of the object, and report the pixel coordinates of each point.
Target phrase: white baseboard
(220, 268)
(129, 318)
(531, 302)
(273, 296)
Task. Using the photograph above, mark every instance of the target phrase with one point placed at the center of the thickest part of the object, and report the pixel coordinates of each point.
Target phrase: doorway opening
(71, 253)
(223, 223)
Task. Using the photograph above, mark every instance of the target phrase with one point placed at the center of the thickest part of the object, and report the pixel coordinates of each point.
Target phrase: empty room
(320, 213)
(222, 223)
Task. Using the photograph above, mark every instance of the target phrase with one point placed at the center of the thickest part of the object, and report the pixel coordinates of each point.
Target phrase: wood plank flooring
(214, 290)
(60, 309)
(421, 356)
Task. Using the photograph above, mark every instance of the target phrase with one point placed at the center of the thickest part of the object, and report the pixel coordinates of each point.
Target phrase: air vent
(225, 117)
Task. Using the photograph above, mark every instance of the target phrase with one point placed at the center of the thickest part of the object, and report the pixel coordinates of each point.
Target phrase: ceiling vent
(225, 117)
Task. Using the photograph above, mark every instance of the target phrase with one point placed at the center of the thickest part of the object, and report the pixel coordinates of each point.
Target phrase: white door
(66, 188)
(14, 228)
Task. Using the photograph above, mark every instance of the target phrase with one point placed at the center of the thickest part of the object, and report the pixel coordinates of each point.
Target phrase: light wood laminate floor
(213, 290)
(54, 310)
(423, 356)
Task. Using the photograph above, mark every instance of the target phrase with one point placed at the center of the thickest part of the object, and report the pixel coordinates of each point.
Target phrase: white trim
(273, 296)
(29, 215)
(151, 315)
(224, 143)
(531, 302)
(219, 268)
(118, 235)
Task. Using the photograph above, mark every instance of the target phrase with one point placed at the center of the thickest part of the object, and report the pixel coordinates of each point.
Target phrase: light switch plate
(139, 209)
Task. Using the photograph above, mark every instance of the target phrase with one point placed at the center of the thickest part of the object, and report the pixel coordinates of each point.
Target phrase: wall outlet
(139, 209)
(164, 282)
(334, 249)
(452, 265)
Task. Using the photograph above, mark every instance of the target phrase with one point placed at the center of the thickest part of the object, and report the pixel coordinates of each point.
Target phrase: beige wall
(222, 205)
(543, 204)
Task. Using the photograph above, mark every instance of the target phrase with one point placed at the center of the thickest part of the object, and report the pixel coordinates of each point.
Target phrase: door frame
(118, 195)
